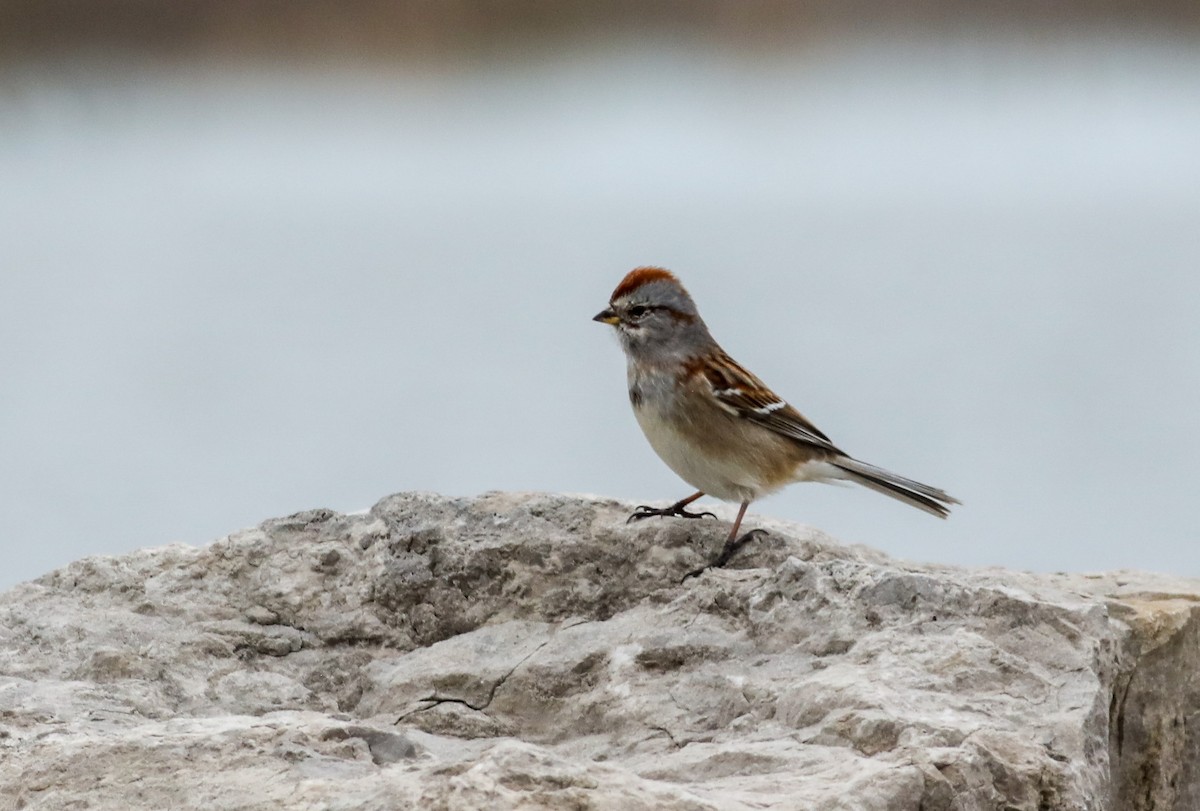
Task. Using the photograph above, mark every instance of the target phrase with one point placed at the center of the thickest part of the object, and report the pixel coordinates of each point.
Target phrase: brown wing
(743, 394)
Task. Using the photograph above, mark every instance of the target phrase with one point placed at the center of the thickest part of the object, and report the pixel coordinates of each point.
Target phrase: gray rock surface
(534, 651)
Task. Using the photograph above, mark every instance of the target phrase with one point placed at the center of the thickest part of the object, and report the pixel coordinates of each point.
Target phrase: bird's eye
(638, 311)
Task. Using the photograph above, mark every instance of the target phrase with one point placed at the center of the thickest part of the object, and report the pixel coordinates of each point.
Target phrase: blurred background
(264, 256)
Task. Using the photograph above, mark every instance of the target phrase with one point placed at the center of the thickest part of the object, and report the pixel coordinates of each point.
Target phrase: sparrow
(716, 425)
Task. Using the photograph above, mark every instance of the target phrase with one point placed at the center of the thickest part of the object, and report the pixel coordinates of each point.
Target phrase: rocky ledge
(534, 651)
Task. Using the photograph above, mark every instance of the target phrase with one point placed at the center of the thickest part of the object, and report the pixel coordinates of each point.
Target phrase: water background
(235, 289)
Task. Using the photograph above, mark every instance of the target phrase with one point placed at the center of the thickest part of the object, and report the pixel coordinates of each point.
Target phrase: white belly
(724, 459)
(720, 476)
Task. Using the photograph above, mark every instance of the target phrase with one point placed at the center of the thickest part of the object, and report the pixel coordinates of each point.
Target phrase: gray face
(657, 320)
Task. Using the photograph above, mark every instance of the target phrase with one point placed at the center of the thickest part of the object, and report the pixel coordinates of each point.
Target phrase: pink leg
(732, 544)
(737, 522)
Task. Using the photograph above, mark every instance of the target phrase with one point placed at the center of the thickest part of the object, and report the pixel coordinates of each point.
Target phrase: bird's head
(653, 314)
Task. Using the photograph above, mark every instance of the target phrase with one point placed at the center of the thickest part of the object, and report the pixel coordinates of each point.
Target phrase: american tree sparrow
(715, 424)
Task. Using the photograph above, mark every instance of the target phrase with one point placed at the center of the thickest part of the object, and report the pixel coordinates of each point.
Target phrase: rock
(534, 651)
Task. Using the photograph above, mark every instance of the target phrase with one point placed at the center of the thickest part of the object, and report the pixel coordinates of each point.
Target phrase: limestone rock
(534, 651)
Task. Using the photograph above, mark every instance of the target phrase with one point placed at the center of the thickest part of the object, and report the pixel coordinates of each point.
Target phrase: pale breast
(724, 456)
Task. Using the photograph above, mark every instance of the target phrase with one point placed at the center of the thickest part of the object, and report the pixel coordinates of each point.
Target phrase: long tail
(922, 496)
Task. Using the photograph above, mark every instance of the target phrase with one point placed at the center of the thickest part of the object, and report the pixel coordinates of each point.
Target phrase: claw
(731, 548)
(674, 511)
(643, 511)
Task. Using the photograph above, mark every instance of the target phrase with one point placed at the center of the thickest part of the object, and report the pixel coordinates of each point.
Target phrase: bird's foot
(676, 510)
(732, 547)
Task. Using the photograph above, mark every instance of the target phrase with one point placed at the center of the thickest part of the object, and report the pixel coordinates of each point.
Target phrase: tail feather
(922, 496)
